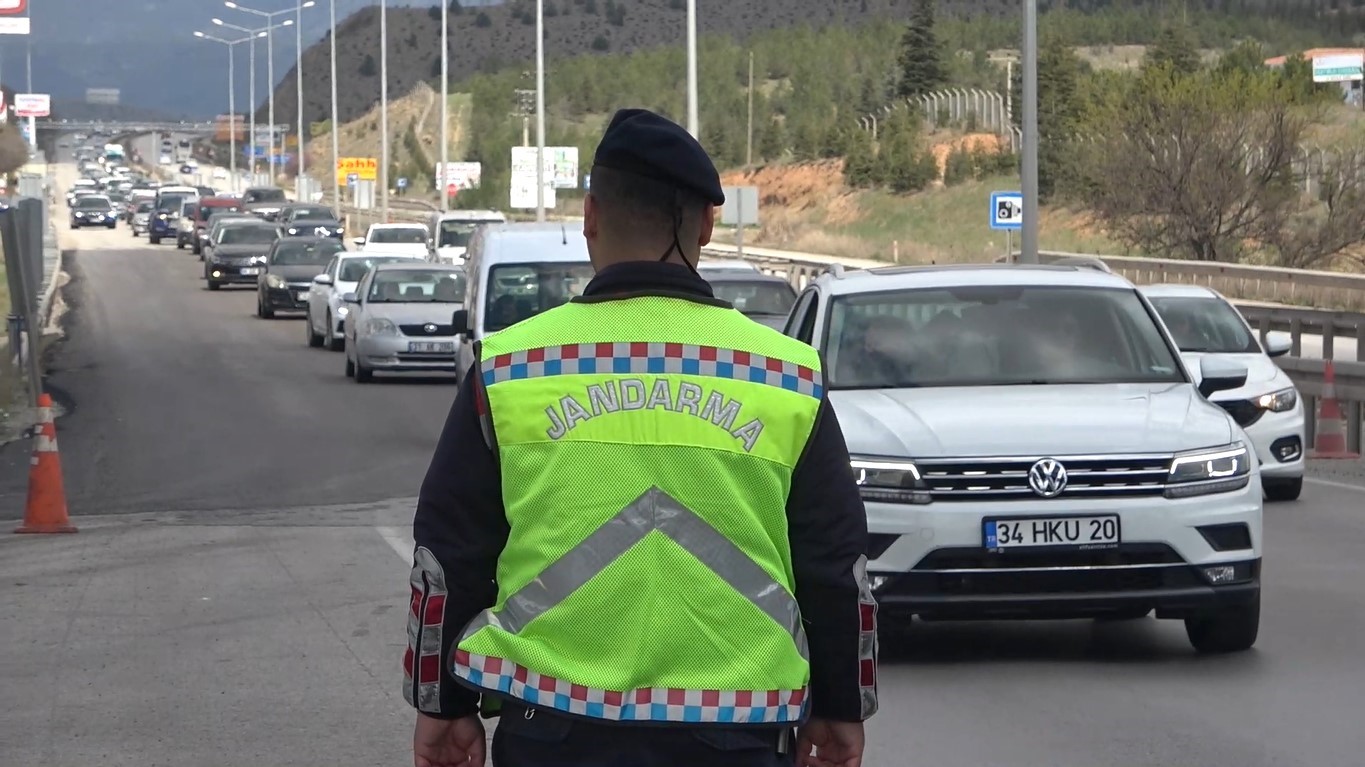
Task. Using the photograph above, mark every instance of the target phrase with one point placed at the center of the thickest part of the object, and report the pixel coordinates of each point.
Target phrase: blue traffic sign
(352, 178)
(402, 183)
(1007, 210)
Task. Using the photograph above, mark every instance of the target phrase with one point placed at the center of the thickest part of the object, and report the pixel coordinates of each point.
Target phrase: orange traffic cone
(1329, 440)
(46, 508)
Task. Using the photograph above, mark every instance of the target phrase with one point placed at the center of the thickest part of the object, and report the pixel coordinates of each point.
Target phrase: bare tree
(13, 149)
(1329, 227)
(1199, 166)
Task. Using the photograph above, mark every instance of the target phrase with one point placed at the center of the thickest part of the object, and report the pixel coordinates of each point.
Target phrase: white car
(454, 229)
(400, 319)
(726, 266)
(326, 316)
(165, 159)
(1268, 408)
(1029, 444)
(220, 173)
(397, 238)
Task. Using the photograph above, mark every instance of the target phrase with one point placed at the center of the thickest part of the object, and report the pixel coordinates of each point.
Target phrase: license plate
(250, 270)
(1093, 532)
(431, 347)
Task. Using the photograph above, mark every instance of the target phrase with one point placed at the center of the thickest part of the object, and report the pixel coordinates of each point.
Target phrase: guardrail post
(1296, 337)
(1360, 341)
(1310, 421)
(1329, 340)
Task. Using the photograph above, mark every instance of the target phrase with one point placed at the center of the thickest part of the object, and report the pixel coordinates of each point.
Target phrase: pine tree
(860, 163)
(921, 55)
(368, 67)
(772, 141)
(1177, 48)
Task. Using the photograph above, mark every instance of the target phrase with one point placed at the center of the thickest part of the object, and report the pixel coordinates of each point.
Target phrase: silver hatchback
(401, 319)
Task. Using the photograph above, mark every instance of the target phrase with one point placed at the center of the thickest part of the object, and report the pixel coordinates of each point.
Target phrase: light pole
(384, 110)
(692, 68)
(232, 97)
(298, 72)
(271, 26)
(1028, 242)
(540, 110)
(265, 32)
(445, 107)
(336, 140)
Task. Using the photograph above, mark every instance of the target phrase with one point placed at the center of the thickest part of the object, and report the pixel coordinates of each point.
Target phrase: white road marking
(399, 539)
(1338, 485)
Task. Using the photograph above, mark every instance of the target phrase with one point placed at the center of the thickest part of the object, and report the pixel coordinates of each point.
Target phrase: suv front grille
(420, 330)
(1126, 555)
(1244, 412)
(1007, 478)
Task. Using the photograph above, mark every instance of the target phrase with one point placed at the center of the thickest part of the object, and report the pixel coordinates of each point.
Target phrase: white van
(453, 229)
(516, 271)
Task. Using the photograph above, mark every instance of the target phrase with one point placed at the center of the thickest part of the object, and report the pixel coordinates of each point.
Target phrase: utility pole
(749, 140)
(445, 106)
(336, 139)
(540, 110)
(384, 110)
(1028, 244)
(692, 126)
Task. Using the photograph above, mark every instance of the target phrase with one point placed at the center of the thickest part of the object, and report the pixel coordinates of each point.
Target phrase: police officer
(639, 541)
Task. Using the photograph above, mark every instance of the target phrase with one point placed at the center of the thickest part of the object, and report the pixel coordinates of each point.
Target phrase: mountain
(147, 50)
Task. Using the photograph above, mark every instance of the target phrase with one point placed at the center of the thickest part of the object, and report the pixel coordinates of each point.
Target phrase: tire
(350, 368)
(179, 244)
(314, 340)
(263, 311)
(153, 239)
(362, 373)
(335, 344)
(1232, 629)
(1282, 489)
(214, 285)
(111, 226)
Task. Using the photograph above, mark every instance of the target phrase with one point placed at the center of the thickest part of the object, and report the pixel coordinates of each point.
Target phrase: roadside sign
(1007, 210)
(352, 178)
(402, 183)
(461, 175)
(365, 168)
(13, 7)
(32, 105)
(1338, 68)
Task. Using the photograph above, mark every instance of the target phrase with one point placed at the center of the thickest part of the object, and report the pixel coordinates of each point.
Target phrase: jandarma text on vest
(627, 394)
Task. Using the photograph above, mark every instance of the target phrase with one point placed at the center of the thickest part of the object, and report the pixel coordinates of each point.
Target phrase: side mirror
(323, 279)
(461, 322)
(1220, 375)
(1278, 343)
(351, 298)
(358, 240)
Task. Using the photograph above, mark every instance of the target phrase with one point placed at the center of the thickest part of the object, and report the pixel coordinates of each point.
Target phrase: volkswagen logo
(1047, 478)
(430, 328)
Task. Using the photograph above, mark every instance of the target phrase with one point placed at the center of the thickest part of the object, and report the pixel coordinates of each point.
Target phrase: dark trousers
(546, 739)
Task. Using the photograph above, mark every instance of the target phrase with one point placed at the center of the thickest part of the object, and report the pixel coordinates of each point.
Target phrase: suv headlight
(378, 326)
(1278, 402)
(275, 281)
(1205, 472)
(293, 230)
(889, 480)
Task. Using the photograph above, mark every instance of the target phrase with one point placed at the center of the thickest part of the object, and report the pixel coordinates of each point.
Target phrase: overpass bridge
(205, 127)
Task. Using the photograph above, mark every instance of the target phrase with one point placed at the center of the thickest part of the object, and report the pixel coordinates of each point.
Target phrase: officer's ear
(589, 217)
(708, 225)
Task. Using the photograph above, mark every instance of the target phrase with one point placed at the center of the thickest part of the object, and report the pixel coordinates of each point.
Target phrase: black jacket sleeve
(459, 529)
(828, 530)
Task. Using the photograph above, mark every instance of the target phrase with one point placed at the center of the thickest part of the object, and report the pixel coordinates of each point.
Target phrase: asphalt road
(210, 452)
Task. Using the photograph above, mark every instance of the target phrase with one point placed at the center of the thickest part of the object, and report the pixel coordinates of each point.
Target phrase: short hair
(642, 204)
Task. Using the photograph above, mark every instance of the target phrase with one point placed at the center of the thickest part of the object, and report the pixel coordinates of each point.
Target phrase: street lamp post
(265, 32)
(1028, 242)
(692, 68)
(336, 139)
(445, 108)
(271, 26)
(298, 72)
(232, 97)
(384, 110)
(540, 110)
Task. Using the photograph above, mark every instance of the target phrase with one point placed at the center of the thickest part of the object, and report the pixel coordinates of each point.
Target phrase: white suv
(1268, 407)
(1030, 445)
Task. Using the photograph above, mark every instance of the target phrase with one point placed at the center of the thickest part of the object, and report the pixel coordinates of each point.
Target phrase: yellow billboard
(364, 168)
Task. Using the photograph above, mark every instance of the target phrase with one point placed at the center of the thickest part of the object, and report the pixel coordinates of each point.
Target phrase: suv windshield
(263, 195)
(170, 202)
(520, 291)
(412, 286)
(289, 253)
(763, 297)
(353, 269)
(312, 214)
(92, 203)
(1205, 324)
(995, 336)
(398, 236)
(246, 235)
(456, 234)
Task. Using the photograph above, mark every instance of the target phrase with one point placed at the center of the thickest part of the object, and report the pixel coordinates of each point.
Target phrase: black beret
(641, 142)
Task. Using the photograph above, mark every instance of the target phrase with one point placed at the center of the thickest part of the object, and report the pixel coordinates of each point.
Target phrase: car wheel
(214, 285)
(111, 226)
(179, 244)
(350, 367)
(362, 373)
(263, 311)
(336, 344)
(1231, 629)
(153, 239)
(314, 339)
(1282, 489)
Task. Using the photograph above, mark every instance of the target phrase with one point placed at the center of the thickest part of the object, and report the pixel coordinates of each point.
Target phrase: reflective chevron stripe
(653, 511)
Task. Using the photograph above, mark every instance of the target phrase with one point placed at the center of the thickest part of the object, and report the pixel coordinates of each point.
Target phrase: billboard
(108, 96)
(14, 25)
(561, 165)
(364, 168)
(456, 176)
(1339, 68)
(13, 7)
(32, 105)
(225, 126)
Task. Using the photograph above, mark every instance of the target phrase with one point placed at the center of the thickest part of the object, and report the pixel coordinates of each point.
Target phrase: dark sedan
(237, 254)
(93, 210)
(305, 220)
(763, 298)
(290, 267)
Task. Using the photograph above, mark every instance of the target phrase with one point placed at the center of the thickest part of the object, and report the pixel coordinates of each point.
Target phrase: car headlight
(341, 230)
(275, 281)
(1278, 402)
(162, 216)
(378, 326)
(889, 480)
(293, 230)
(80, 214)
(1205, 472)
(342, 311)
